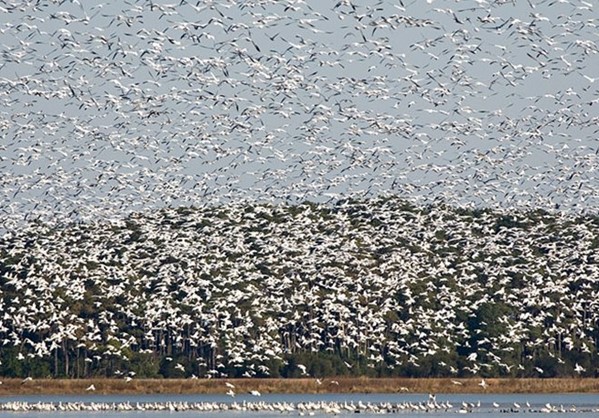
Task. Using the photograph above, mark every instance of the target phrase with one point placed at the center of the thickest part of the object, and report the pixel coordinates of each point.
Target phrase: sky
(113, 108)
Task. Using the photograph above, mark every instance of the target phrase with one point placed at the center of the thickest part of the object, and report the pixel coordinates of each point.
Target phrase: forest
(372, 287)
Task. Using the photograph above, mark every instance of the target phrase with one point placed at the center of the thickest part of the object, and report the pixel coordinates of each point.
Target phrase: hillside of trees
(377, 287)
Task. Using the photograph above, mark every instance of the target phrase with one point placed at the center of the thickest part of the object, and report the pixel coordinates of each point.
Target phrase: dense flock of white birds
(241, 109)
(240, 289)
(299, 408)
(111, 108)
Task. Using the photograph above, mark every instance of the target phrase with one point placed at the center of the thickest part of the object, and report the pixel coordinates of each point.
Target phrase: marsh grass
(306, 385)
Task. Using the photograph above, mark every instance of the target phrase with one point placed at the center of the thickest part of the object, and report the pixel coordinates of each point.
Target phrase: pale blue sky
(106, 110)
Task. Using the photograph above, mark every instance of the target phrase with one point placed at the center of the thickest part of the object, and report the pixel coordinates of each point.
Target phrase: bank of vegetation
(242, 388)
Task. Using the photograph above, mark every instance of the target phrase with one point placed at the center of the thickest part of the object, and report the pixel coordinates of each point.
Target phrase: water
(586, 405)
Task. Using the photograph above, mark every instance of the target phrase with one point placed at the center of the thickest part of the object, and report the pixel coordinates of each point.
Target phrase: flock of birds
(112, 108)
(242, 289)
(299, 408)
(113, 116)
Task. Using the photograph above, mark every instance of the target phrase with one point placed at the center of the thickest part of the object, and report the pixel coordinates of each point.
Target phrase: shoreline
(12, 387)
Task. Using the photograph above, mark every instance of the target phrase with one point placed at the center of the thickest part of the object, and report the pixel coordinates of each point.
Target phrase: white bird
(90, 388)
(255, 393)
(579, 369)
(303, 369)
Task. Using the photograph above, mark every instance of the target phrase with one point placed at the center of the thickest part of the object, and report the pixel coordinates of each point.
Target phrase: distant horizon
(418, 204)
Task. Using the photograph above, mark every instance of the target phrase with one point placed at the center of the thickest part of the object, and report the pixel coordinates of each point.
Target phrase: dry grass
(345, 385)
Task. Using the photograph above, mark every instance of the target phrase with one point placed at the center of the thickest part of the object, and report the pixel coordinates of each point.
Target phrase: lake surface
(487, 405)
